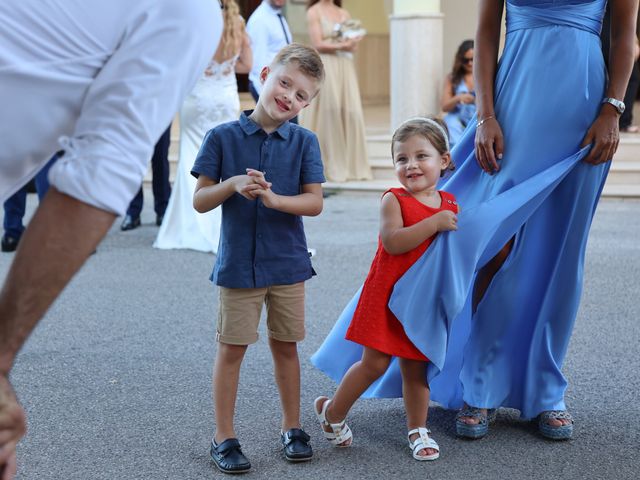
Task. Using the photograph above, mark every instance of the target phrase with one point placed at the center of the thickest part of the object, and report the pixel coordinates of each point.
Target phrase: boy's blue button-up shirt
(259, 246)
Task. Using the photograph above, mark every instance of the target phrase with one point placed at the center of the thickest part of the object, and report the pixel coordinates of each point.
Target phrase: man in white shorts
(100, 80)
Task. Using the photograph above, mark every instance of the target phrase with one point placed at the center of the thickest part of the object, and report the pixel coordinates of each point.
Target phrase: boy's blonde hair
(431, 128)
(306, 58)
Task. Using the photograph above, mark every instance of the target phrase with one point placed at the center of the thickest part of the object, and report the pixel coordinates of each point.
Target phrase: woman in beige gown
(335, 115)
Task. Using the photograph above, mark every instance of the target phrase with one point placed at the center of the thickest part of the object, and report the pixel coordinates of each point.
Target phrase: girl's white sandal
(340, 432)
(422, 442)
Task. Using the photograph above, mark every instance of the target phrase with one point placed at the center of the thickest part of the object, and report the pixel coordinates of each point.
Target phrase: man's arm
(61, 235)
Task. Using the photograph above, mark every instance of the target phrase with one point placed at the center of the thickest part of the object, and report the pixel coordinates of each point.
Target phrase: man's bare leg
(61, 235)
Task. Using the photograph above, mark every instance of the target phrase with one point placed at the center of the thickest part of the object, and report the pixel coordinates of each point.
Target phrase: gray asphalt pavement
(116, 379)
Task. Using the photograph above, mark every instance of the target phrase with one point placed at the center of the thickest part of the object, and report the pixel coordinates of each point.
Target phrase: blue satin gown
(549, 85)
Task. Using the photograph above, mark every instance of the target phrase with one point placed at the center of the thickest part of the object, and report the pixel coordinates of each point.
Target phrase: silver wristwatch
(619, 106)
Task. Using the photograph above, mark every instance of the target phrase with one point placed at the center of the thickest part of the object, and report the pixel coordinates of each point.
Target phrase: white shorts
(101, 80)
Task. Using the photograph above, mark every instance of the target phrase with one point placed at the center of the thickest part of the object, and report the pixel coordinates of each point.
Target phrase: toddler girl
(410, 218)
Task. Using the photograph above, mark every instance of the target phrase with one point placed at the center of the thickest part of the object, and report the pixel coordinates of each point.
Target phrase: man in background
(269, 32)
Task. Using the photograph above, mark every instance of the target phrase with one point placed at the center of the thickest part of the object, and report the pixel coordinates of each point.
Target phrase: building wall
(460, 18)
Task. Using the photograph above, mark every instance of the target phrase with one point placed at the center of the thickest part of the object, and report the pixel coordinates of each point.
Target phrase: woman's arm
(604, 133)
(315, 35)
(449, 100)
(489, 140)
(398, 239)
(245, 60)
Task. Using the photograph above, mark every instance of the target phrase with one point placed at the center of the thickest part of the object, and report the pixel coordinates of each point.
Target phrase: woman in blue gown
(493, 304)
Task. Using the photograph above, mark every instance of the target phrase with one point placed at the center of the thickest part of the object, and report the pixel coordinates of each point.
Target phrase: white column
(416, 31)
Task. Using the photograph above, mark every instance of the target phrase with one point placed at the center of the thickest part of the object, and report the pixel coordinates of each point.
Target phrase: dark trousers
(254, 94)
(626, 119)
(160, 183)
(16, 204)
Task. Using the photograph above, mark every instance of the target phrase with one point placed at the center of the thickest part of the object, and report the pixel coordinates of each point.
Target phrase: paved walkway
(116, 379)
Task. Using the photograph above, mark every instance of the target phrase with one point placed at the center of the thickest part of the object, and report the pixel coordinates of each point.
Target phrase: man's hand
(12, 428)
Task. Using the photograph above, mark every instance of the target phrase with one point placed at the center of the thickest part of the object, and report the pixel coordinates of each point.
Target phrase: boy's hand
(248, 185)
(269, 199)
(258, 177)
(446, 220)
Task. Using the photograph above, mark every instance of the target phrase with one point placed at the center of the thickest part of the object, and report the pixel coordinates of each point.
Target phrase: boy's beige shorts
(240, 308)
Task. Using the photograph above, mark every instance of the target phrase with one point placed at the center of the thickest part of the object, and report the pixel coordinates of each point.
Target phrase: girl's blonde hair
(233, 27)
(431, 128)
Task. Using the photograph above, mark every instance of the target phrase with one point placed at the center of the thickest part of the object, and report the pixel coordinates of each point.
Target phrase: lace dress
(214, 100)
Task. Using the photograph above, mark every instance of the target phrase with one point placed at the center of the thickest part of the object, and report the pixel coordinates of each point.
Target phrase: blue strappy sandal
(478, 430)
(564, 432)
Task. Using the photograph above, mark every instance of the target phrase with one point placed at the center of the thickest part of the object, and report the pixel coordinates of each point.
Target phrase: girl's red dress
(373, 324)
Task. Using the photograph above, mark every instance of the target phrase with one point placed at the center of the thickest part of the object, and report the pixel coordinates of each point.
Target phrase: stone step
(621, 191)
(616, 191)
(624, 173)
(623, 180)
(379, 146)
(620, 173)
(628, 148)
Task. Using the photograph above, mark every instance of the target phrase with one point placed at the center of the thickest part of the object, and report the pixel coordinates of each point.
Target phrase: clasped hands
(254, 185)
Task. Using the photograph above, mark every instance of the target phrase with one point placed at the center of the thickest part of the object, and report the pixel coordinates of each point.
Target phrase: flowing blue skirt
(549, 85)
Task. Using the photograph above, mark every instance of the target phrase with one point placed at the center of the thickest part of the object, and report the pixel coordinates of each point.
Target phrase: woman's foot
(337, 433)
(555, 424)
(422, 446)
(473, 422)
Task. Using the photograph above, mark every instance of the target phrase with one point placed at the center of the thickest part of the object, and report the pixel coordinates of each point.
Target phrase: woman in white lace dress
(213, 101)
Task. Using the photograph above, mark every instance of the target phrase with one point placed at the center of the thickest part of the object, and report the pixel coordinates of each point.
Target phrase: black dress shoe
(228, 456)
(9, 244)
(159, 219)
(296, 445)
(129, 223)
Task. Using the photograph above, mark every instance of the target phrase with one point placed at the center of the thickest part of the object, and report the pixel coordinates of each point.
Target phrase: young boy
(267, 173)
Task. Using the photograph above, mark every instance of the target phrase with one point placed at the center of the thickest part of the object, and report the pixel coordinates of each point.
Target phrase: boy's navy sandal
(563, 432)
(296, 445)
(228, 456)
(478, 430)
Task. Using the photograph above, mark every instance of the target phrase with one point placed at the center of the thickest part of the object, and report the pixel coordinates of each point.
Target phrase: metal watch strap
(617, 104)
